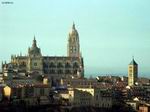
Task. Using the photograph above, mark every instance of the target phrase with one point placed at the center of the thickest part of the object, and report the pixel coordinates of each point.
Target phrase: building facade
(96, 97)
(132, 73)
(29, 91)
(68, 66)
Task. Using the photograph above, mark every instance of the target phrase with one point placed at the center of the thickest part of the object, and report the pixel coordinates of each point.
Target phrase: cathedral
(70, 66)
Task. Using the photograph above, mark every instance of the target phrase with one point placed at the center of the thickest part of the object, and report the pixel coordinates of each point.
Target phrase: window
(52, 71)
(35, 64)
(67, 71)
(67, 65)
(130, 75)
(45, 65)
(75, 65)
(60, 72)
(60, 65)
(75, 71)
(52, 65)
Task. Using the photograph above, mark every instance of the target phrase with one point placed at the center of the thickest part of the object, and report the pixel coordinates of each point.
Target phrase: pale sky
(111, 31)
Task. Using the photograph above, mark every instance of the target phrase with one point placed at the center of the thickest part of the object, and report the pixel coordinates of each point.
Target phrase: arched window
(67, 72)
(60, 65)
(45, 65)
(67, 65)
(52, 65)
(60, 71)
(74, 71)
(75, 65)
(52, 71)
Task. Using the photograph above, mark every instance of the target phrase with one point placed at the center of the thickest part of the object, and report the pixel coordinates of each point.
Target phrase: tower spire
(34, 37)
(34, 42)
(133, 57)
(73, 26)
(73, 43)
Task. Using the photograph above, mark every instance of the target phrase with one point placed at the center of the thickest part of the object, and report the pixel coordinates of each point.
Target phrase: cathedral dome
(34, 50)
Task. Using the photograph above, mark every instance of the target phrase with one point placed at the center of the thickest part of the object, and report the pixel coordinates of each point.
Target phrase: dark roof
(60, 57)
(133, 62)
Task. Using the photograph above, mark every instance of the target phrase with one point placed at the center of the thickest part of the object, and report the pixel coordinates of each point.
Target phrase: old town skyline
(112, 37)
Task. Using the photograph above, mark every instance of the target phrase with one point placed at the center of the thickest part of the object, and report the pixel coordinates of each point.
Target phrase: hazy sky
(111, 31)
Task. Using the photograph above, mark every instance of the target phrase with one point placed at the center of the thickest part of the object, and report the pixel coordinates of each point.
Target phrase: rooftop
(133, 62)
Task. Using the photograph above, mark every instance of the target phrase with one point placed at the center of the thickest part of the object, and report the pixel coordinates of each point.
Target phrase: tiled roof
(24, 83)
(133, 62)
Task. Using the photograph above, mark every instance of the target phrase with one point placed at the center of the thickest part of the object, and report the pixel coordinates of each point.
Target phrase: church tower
(35, 60)
(73, 47)
(34, 51)
(132, 73)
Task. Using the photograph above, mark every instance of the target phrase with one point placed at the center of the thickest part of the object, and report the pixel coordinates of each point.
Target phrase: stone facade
(96, 97)
(53, 66)
(132, 73)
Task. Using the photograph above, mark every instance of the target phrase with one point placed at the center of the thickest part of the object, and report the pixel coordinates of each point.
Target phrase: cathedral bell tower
(73, 47)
